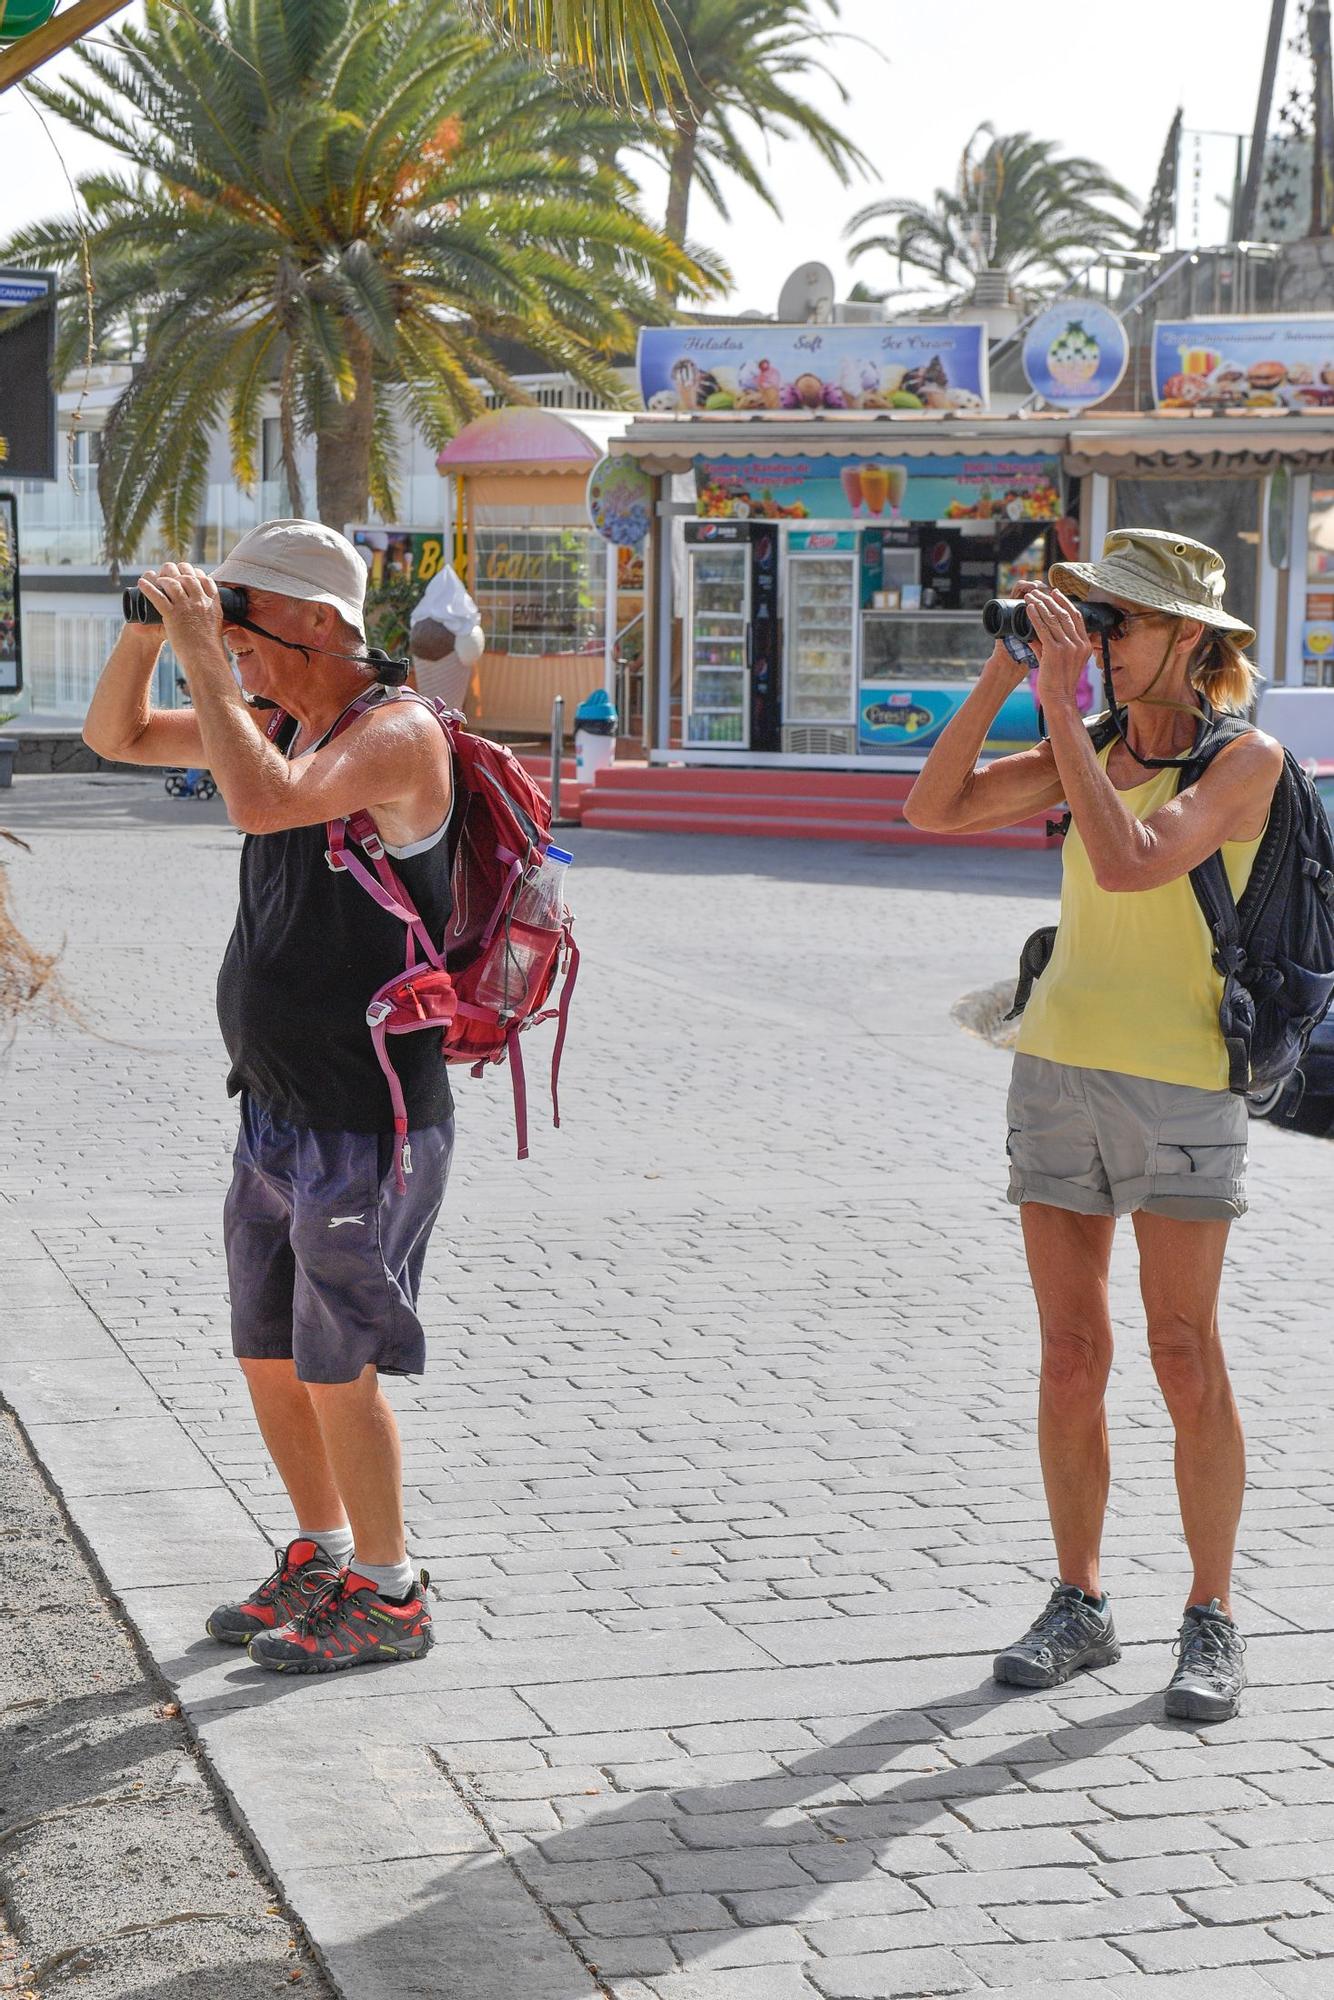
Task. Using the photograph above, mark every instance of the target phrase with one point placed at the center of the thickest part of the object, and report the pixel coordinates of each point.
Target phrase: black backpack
(1274, 949)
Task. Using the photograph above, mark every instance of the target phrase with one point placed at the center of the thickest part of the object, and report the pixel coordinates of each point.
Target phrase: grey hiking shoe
(1070, 1635)
(303, 1571)
(1207, 1684)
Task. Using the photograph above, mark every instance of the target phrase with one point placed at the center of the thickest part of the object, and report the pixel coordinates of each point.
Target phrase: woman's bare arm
(953, 795)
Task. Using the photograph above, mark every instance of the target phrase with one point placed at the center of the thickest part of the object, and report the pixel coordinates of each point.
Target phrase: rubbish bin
(9, 750)
(594, 735)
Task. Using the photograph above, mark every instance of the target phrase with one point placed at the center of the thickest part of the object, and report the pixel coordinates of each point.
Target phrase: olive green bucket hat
(1161, 571)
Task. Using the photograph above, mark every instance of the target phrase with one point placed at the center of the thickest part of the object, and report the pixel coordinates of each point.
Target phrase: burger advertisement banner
(918, 365)
(1242, 363)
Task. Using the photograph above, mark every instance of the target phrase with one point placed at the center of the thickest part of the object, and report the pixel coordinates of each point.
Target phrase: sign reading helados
(916, 365)
(1075, 354)
(620, 501)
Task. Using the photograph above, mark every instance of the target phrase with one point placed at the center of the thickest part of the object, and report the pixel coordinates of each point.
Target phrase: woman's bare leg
(1180, 1267)
(1068, 1259)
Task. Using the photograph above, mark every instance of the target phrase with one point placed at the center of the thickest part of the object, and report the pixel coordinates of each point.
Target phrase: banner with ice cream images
(879, 487)
(918, 365)
(1248, 363)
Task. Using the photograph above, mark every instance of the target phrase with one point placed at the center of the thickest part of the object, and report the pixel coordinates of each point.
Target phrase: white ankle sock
(336, 1542)
(390, 1579)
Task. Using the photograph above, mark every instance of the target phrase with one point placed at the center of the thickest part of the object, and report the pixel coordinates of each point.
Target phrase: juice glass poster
(1247, 363)
(880, 488)
(920, 365)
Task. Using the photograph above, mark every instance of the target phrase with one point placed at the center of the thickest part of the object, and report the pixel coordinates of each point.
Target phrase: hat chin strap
(389, 672)
(1117, 713)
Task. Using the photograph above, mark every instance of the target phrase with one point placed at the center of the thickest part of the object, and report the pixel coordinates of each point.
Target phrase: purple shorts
(324, 1256)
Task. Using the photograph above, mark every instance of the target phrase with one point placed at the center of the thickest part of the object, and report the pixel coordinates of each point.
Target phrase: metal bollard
(557, 754)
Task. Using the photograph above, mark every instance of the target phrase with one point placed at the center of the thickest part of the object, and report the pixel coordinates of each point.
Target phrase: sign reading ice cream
(918, 365)
(1254, 364)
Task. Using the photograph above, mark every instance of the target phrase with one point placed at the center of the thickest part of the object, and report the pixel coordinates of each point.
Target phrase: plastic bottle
(541, 900)
(516, 958)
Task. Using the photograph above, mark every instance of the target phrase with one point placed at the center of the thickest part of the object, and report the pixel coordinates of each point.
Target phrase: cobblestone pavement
(723, 1466)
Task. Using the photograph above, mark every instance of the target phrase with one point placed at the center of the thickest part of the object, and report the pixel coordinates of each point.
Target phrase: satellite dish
(807, 297)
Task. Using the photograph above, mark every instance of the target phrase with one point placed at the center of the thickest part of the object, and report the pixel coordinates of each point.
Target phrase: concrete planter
(9, 750)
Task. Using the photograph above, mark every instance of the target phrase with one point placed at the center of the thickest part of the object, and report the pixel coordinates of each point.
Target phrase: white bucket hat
(301, 559)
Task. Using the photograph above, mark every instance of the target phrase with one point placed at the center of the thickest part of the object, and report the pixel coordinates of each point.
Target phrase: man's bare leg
(295, 1443)
(362, 1449)
(1068, 1259)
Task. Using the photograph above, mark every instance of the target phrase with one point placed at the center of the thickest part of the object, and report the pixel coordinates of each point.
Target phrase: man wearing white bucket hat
(324, 1254)
(1119, 1102)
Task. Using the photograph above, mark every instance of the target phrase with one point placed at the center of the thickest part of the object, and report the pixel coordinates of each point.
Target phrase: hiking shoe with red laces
(304, 1571)
(346, 1625)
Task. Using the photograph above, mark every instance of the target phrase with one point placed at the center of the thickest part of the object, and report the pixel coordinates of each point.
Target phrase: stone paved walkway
(723, 1466)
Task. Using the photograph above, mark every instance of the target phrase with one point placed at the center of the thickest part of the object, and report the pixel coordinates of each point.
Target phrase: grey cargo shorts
(1101, 1143)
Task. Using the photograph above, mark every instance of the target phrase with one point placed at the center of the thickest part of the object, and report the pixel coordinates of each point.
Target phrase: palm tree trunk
(680, 183)
(343, 443)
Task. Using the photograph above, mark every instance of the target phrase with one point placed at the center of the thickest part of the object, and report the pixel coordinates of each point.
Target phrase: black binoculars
(137, 609)
(1007, 618)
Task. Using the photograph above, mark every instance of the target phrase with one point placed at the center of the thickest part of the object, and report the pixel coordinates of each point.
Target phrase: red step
(778, 803)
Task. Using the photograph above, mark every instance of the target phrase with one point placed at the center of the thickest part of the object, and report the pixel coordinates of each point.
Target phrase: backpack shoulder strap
(1213, 891)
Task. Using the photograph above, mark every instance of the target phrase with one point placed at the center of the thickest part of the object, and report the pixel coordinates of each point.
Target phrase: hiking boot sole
(389, 1655)
(225, 1638)
(1012, 1671)
(1186, 1704)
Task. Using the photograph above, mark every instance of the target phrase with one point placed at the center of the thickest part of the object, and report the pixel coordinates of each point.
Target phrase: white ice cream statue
(445, 638)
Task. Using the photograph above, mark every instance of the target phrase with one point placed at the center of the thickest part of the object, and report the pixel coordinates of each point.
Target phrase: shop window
(1224, 513)
(540, 590)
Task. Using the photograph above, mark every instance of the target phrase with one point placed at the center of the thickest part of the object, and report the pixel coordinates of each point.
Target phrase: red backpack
(507, 938)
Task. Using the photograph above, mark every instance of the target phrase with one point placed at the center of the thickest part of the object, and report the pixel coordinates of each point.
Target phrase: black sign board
(27, 397)
(11, 638)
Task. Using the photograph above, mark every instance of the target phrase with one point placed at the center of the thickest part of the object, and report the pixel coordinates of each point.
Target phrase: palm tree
(621, 42)
(742, 60)
(1019, 208)
(340, 200)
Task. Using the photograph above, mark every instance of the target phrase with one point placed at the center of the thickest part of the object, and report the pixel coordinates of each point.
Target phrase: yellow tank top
(1131, 985)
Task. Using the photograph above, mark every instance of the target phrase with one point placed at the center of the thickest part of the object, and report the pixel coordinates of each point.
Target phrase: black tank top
(308, 950)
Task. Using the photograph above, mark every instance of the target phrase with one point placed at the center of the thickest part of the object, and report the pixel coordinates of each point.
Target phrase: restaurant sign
(1252, 363)
(917, 365)
(879, 488)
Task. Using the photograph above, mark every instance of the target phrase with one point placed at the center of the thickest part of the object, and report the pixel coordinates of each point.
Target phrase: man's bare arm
(122, 724)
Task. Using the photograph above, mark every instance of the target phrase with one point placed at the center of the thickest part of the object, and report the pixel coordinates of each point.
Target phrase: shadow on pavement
(700, 1843)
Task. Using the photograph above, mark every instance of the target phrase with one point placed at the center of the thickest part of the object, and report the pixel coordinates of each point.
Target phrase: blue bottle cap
(559, 854)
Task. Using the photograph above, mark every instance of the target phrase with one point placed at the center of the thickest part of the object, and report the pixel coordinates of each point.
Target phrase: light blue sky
(1103, 79)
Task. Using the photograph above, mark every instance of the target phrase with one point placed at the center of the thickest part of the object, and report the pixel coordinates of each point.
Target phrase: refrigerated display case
(820, 667)
(717, 652)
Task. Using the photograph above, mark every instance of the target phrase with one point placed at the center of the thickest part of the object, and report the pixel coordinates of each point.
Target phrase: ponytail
(1221, 672)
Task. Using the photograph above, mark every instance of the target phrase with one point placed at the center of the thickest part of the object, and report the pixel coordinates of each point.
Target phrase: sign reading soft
(1075, 354)
(880, 488)
(921, 365)
(1256, 364)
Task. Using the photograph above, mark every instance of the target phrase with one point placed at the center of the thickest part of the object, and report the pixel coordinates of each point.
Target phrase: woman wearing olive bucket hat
(1119, 1102)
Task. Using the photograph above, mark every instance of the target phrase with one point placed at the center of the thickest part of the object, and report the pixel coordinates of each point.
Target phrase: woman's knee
(1076, 1361)
(1188, 1362)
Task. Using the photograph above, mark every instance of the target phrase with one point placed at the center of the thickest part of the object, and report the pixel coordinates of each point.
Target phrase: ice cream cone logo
(1073, 356)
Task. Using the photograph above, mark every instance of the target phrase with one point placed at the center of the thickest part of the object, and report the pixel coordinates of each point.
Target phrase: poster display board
(919, 365)
(11, 636)
(1247, 363)
(27, 351)
(880, 488)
